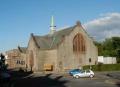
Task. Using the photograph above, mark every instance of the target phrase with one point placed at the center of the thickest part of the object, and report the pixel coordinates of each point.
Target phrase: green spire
(52, 26)
(52, 21)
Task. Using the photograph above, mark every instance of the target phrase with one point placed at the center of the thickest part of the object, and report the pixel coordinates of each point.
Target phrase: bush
(104, 67)
(118, 60)
(99, 66)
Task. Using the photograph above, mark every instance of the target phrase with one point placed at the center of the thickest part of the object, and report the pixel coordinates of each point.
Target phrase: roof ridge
(65, 28)
(50, 41)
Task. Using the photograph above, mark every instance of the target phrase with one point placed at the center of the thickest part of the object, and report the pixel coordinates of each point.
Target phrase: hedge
(104, 67)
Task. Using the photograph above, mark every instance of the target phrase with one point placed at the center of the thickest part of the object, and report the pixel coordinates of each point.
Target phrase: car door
(87, 73)
(83, 73)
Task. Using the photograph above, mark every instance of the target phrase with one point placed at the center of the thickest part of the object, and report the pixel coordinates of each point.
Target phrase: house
(16, 58)
(61, 50)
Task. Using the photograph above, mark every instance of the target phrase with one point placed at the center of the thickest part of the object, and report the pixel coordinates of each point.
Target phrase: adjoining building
(16, 58)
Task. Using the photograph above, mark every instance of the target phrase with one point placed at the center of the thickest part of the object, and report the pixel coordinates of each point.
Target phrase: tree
(2, 62)
(118, 55)
(109, 47)
(116, 42)
(100, 47)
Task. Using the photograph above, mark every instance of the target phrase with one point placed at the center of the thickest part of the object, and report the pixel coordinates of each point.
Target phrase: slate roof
(22, 49)
(50, 41)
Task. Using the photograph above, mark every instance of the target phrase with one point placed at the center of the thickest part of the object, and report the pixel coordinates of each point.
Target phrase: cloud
(108, 25)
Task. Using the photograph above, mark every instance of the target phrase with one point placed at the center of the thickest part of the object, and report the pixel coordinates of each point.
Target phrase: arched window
(79, 44)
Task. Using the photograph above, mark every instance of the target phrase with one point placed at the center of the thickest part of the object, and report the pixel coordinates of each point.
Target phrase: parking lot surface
(65, 80)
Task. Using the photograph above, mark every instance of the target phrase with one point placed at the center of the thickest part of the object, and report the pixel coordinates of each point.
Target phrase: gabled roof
(22, 49)
(50, 41)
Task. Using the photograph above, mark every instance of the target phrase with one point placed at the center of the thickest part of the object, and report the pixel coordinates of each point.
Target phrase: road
(55, 80)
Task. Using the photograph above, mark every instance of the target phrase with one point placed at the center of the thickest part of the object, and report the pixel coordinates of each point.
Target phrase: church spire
(52, 26)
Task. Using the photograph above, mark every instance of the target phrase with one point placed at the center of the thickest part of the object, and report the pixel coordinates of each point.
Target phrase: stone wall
(67, 59)
(47, 57)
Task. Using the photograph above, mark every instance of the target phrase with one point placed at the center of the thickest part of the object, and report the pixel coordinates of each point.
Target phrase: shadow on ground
(41, 81)
(27, 79)
(115, 76)
(19, 73)
(14, 76)
(118, 84)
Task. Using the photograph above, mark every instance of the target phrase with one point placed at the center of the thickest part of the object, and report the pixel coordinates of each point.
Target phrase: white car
(84, 73)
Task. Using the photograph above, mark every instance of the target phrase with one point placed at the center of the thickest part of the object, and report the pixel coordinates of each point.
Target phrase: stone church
(61, 50)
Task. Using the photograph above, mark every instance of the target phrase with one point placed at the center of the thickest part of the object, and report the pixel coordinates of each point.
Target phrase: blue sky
(19, 18)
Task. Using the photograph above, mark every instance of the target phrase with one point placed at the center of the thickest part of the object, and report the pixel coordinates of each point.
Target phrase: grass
(104, 67)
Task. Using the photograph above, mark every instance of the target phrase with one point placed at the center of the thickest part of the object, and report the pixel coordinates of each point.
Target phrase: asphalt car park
(64, 80)
(5, 78)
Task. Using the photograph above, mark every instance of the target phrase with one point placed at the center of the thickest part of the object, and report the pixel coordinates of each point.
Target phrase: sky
(20, 18)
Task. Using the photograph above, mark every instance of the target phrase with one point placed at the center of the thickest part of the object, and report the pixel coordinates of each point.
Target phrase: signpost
(90, 63)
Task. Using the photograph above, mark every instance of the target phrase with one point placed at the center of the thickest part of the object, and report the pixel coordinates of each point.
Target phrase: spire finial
(52, 26)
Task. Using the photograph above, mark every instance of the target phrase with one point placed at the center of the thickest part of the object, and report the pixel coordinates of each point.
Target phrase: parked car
(74, 71)
(84, 73)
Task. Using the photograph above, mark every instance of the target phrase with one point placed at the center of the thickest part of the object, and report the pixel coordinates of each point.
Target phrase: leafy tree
(116, 42)
(100, 47)
(109, 47)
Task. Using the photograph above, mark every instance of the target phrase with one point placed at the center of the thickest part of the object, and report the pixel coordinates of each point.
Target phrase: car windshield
(76, 70)
(73, 70)
(87, 71)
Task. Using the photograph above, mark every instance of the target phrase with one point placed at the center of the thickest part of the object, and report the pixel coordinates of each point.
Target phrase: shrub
(104, 67)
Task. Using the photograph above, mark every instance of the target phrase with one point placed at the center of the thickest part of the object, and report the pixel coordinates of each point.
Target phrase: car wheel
(91, 76)
(77, 76)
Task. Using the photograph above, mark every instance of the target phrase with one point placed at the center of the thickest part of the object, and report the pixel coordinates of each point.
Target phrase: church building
(61, 50)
